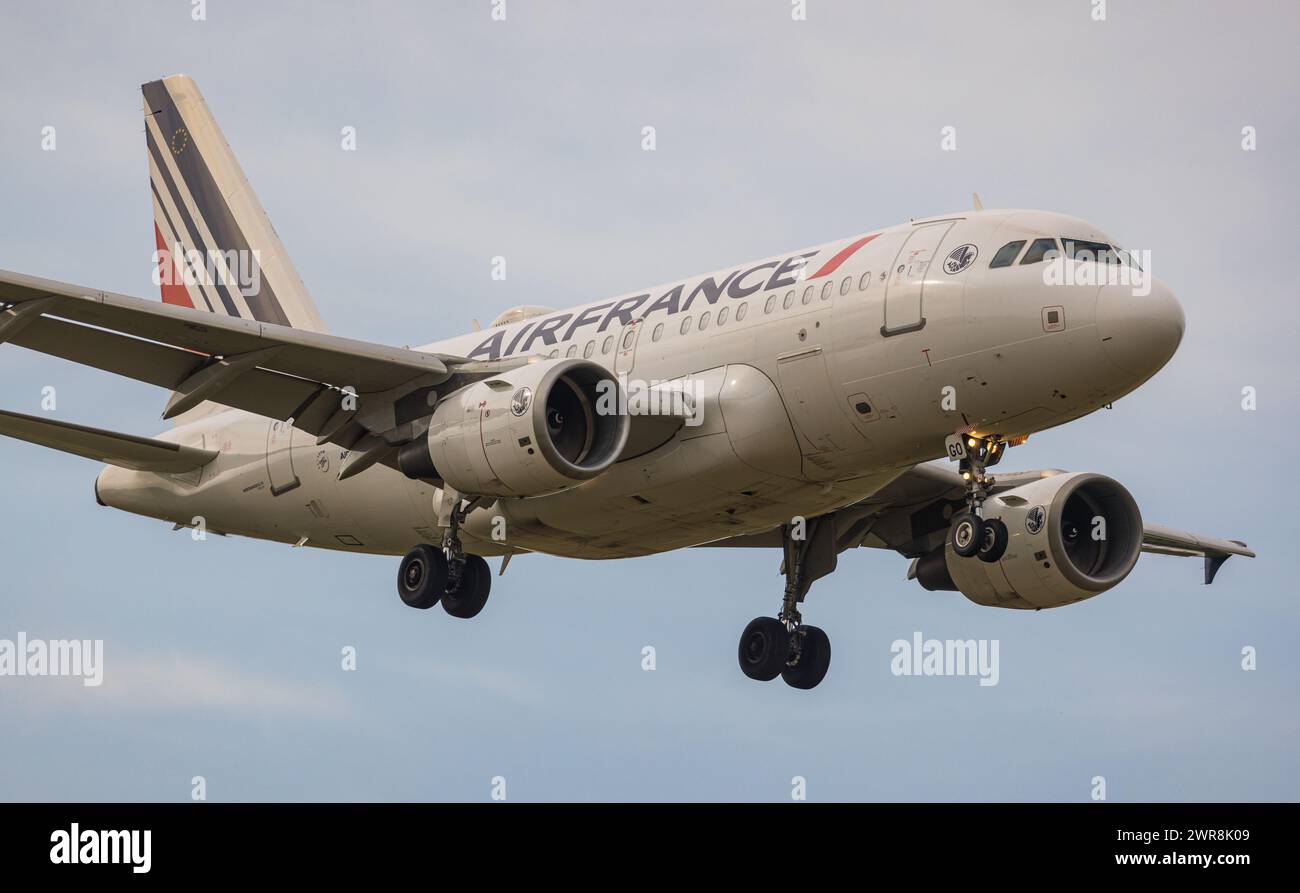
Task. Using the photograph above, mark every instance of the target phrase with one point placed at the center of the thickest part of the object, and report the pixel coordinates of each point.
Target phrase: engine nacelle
(1070, 537)
(533, 430)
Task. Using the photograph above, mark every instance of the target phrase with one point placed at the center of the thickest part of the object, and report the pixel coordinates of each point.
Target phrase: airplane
(802, 404)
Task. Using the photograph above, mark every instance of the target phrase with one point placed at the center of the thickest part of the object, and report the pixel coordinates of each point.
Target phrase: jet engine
(1070, 537)
(536, 429)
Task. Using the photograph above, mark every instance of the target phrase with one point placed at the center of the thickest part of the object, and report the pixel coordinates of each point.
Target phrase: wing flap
(341, 362)
(145, 361)
(259, 391)
(111, 447)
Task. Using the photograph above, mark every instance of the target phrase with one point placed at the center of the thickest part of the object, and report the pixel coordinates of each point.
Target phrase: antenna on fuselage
(979, 205)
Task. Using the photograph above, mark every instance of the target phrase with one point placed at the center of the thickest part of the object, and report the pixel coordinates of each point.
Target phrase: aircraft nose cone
(1139, 332)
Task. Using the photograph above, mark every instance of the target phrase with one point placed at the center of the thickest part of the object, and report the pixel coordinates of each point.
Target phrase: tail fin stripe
(208, 200)
(172, 241)
(192, 234)
(173, 292)
(166, 177)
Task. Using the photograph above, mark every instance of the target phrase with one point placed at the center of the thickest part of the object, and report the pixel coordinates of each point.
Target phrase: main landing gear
(971, 534)
(461, 582)
(783, 646)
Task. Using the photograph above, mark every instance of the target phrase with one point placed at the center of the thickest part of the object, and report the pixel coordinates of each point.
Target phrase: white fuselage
(817, 389)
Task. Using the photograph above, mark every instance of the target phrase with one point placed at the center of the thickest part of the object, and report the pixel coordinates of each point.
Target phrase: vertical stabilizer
(217, 250)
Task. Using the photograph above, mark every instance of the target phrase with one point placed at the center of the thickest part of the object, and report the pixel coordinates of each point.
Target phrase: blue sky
(523, 139)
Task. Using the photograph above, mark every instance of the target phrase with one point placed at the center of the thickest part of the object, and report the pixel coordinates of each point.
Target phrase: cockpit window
(1038, 250)
(1079, 249)
(1082, 249)
(1128, 258)
(1006, 255)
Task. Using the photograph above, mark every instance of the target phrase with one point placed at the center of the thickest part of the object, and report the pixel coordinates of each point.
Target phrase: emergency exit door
(905, 287)
(625, 358)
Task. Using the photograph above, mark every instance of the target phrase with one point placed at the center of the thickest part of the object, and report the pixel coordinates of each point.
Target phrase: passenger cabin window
(589, 350)
(609, 342)
(572, 351)
(659, 332)
(1007, 254)
(864, 281)
(846, 285)
(1038, 250)
(770, 305)
(704, 320)
(722, 315)
(741, 311)
(686, 325)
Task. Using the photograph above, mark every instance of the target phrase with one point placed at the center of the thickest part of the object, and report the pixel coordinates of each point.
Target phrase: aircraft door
(625, 353)
(279, 457)
(906, 283)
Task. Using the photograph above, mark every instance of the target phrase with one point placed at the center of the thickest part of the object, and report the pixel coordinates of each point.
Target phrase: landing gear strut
(451, 547)
(971, 534)
(461, 582)
(783, 646)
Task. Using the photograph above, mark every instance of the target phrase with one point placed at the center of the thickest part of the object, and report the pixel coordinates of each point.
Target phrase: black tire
(814, 659)
(764, 647)
(966, 534)
(994, 543)
(472, 593)
(422, 577)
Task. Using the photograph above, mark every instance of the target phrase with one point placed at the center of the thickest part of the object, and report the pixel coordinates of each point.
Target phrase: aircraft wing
(1167, 541)
(1160, 540)
(907, 516)
(125, 450)
(271, 370)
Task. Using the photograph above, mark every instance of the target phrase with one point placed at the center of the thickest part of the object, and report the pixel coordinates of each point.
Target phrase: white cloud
(157, 682)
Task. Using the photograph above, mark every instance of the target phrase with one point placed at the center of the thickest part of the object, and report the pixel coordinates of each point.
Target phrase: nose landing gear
(971, 535)
(783, 646)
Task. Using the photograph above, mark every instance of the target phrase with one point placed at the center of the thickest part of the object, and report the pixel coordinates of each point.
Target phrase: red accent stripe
(173, 292)
(834, 263)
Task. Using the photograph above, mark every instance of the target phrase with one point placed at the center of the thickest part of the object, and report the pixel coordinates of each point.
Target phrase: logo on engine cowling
(1034, 520)
(520, 402)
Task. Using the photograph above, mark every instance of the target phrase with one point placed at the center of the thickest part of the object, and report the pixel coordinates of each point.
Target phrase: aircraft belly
(694, 492)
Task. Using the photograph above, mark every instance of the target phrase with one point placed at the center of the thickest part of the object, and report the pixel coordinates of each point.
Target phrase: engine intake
(1094, 563)
(1070, 537)
(537, 429)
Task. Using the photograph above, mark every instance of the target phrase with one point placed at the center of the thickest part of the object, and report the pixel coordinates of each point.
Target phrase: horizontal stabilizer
(123, 450)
